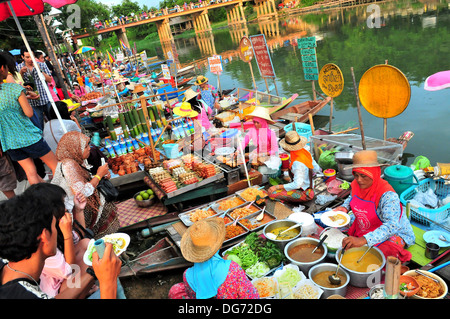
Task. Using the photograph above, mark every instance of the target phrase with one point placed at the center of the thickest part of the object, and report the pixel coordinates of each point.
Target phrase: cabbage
(258, 270)
(235, 258)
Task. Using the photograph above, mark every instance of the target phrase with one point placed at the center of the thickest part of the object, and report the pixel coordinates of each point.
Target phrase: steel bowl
(280, 223)
(145, 202)
(304, 266)
(327, 292)
(364, 279)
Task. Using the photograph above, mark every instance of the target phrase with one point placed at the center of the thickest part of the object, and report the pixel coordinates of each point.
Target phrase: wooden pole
(314, 90)
(275, 83)
(359, 110)
(331, 114)
(253, 77)
(147, 122)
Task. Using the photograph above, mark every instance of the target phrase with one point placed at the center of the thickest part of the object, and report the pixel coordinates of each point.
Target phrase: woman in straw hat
(207, 92)
(301, 169)
(261, 136)
(377, 218)
(205, 112)
(211, 276)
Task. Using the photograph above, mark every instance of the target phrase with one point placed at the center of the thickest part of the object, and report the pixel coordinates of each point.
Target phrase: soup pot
(327, 292)
(281, 243)
(364, 279)
(305, 266)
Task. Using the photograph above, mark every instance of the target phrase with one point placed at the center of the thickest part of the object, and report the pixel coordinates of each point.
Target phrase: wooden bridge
(235, 15)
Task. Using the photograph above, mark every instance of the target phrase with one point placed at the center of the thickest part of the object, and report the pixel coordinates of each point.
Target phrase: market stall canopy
(15, 52)
(29, 7)
(84, 49)
(438, 81)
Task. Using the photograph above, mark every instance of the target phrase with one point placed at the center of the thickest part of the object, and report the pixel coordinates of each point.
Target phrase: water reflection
(412, 36)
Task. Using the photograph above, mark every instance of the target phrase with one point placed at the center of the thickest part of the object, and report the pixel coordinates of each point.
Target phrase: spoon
(367, 250)
(261, 215)
(442, 237)
(273, 236)
(334, 279)
(319, 243)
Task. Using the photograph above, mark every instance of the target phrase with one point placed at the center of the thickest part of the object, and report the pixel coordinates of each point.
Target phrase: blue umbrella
(15, 52)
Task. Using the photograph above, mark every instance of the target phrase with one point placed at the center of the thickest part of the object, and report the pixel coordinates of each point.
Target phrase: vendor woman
(377, 218)
(301, 169)
(207, 92)
(261, 136)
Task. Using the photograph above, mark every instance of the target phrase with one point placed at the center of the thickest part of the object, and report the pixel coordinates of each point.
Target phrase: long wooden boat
(298, 113)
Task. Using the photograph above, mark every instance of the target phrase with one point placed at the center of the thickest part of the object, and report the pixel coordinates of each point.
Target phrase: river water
(412, 36)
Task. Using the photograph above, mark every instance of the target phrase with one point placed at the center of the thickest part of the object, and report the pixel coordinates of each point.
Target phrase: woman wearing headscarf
(261, 136)
(301, 169)
(211, 276)
(377, 218)
(73, 176)
(207, 92)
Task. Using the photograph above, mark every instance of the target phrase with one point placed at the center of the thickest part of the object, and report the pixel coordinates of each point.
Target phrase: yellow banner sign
(331, 80)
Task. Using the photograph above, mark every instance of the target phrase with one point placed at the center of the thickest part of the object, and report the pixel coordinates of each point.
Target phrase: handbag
(108, 190)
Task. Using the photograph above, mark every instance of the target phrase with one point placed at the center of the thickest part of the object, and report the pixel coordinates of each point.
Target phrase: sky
(149, 3)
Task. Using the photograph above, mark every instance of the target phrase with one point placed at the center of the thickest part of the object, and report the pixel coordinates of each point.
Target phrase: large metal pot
(280, 223)
(304, 266)
(345, 171)
(364, 279)
(344, 157)
(327, 292)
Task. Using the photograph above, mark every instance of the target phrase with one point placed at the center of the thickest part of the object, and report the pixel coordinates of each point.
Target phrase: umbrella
(438, 81)
(84, 49)
(22, 8)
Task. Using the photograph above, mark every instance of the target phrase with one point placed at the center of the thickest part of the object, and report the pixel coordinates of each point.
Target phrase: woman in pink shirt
(78, 90)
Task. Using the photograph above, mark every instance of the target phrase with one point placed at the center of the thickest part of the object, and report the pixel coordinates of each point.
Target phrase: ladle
(334, 279)
(367, 250)
(319, 243)
(273, 236)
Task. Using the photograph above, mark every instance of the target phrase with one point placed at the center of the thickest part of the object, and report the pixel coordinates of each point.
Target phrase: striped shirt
(43, 98)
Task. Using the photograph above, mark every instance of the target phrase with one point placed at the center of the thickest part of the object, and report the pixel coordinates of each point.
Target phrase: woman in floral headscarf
(72, 175)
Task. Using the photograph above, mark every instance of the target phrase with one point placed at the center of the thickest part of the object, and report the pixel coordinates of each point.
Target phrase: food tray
(186, 217)
(256, 225)
(254, 208)
(216, 205)
(239, 193)
(249, 276)
(245, 231)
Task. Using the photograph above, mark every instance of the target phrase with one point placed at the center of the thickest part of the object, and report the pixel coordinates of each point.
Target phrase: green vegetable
(290, 276)
(235, 258)
(258, 270)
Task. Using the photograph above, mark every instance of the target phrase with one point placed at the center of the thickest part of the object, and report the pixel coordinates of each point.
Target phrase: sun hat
(293, 141)
(203, 239)
(201, 80)
(261, 112)
(366, 158)
(138, 89)
(189, 94)
(185, 110)
(76, 83)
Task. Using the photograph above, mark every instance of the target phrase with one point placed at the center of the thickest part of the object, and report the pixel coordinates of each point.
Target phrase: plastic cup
(110, 150)
(432, 250)
(100, 247)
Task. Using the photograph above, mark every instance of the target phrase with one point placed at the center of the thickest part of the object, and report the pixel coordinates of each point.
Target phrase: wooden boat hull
(301, 111)
(163, 255)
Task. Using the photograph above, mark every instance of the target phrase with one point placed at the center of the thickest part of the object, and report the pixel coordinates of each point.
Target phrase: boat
(297, 113)
(163, 255)
(185, 70)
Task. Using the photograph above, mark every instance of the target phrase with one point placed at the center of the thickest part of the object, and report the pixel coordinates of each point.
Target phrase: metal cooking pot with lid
(400, 177)
(344, 157)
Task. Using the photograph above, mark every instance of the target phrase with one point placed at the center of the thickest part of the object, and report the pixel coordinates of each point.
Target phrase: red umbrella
(22, 8)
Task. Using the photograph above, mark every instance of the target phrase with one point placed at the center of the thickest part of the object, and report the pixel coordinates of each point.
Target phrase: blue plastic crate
(425, 215)
(301, 128)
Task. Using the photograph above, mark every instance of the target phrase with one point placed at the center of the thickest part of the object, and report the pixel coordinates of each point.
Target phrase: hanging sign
(262, 56)
(245, 50)
(331, 80)
(165, 71)
(307, 48)
(215, 64)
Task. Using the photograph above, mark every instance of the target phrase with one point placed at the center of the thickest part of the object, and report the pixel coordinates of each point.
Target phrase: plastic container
(400, 178)
(301, 128)
(171, 150)
(425, 215)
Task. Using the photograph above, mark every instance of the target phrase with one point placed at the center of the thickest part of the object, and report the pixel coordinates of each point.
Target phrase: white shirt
(301, 176)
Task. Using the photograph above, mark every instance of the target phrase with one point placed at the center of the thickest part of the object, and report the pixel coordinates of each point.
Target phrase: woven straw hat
(365, 158)
(189, 94)
(261, 112)
(185, 110)
(201, 80)
(138, 88)
(203, 239)
(293, 141)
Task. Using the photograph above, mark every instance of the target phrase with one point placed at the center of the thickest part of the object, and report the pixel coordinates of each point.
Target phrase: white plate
(326, 219)
(107, 239)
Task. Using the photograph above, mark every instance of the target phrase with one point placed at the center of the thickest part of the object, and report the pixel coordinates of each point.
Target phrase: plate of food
(334, 218)
(120, 242)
